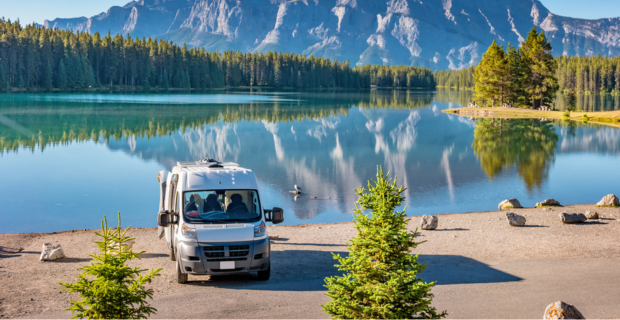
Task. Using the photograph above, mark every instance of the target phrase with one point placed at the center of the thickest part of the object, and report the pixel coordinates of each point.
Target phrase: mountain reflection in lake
(70, 159)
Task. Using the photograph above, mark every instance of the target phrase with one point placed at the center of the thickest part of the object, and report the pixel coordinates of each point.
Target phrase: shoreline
(470, 255)
(302, 224)
(608, 118)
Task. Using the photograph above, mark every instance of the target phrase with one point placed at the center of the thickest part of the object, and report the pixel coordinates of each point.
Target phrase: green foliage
(541, 84)
(114, 60)
(108, 288)
(380, 280)
(492, 77)
(566, 114)
(520, 77)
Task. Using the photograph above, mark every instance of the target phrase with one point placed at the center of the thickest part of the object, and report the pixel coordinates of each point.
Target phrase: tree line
(523, 77)
(40, 58)
(598, 74)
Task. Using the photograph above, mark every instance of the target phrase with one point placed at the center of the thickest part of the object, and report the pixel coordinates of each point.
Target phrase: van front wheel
(264, 275)
(181, 277)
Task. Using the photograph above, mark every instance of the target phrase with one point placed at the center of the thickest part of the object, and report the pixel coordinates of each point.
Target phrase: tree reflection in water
(527, 144)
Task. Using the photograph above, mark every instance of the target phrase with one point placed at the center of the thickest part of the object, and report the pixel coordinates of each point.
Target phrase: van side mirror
(275, 215)
(166, 218)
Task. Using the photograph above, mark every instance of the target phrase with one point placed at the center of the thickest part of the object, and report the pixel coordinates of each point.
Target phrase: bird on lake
(297, 190)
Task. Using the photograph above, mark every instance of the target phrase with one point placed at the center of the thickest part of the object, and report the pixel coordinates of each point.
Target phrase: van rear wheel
(172, 255)
(181, 277)
(264, 275)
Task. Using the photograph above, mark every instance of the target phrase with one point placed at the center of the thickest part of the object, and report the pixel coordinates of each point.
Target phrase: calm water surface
(68, 159)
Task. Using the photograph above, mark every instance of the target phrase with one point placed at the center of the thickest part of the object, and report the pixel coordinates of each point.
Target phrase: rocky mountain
(439, 34)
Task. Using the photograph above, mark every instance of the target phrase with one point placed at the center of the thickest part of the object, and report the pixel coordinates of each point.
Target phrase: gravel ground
(484, 269)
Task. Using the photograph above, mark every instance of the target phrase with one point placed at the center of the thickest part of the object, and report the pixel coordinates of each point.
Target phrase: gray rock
(609, 200)
(429, 222)
(548, 203)
(515, 220)
(573, 217)
(51, 251)
(591, 215)
(509, 204)
(562, 310)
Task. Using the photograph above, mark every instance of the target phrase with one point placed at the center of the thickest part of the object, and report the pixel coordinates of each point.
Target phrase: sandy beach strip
(484, 268)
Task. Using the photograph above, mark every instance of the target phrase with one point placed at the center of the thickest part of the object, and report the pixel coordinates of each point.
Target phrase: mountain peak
(439, 34)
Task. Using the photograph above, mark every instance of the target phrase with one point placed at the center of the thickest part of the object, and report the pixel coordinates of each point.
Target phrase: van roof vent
(208, 162)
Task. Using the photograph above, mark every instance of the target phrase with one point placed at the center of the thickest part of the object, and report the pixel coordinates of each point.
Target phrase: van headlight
(259, 230)
(189, 233)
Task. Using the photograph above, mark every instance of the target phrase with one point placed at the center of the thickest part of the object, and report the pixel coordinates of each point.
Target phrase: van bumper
(205, 258)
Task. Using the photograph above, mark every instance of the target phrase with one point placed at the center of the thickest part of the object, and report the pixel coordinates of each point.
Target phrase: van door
(161, 178)
(169, 205)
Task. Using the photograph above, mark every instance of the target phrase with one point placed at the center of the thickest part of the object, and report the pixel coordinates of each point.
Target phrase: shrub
(566, 114)
(108, 288)
(380, 280)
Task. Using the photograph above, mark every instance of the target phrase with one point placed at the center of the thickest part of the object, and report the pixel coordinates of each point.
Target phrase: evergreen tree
(61, 76)
(108, 288)
(492, 76)
(380, 280)
(542, 83)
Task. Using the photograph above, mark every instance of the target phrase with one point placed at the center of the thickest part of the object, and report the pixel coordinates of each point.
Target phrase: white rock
(51, 251)
(509, 204)
(609, 200)
(592, 215)
(515, 220)
(429, 222)
(562, 310)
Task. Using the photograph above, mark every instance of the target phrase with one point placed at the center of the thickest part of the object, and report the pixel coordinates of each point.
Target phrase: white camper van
(213, 221)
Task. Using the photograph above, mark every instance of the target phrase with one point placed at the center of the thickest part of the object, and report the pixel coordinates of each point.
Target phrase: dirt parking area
(483, 267)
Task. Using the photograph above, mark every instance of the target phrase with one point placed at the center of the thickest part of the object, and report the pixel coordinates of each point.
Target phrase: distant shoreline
(310, 224)
(609, 118)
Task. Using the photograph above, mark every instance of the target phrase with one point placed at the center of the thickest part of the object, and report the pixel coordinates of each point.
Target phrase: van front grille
(214, 254)
(234, 251)
(228, 259)
(215, 248)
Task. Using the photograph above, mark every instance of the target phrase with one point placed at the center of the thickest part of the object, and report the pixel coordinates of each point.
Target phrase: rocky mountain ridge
(439, 34)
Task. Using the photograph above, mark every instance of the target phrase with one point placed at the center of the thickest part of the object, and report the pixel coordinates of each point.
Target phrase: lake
(69, 159)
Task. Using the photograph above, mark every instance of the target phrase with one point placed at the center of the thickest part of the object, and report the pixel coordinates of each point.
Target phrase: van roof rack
(208, 162)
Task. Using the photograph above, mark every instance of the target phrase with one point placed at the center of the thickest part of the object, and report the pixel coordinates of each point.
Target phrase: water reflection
(326, 142)
(527, 145)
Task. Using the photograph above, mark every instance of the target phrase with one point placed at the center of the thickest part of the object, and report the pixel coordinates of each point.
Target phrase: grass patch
(606, 206)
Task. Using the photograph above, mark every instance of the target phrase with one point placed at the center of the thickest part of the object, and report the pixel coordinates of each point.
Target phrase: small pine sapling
(109, 289)
(380, 274)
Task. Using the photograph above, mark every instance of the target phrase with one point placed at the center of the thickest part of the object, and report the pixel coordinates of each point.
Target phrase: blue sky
(39, 10)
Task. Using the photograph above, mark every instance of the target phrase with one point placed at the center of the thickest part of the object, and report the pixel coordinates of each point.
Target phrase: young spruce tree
(108, 288)
(380, 280)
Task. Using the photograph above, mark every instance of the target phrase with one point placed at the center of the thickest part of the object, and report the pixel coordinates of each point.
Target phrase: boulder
(573, 217)
(562, 310)
(509, 204)
(51, 251)
(591, 215)
(515, 220)
(548, 203)
(609, 200)
(429, 222)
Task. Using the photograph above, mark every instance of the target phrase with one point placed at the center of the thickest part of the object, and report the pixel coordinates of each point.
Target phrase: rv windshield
(221, 206)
